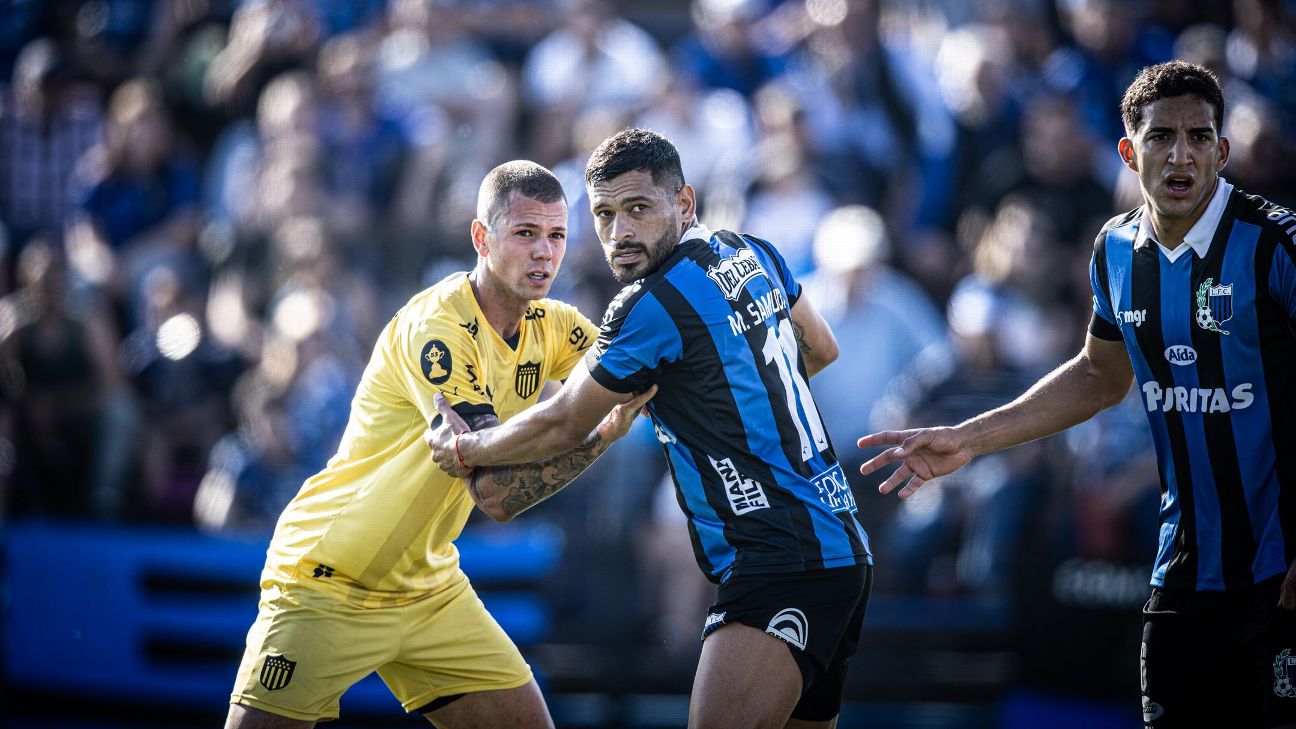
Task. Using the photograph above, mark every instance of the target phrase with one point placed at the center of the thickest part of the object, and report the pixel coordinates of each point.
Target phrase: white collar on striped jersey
(1198, 239)
(697, 231)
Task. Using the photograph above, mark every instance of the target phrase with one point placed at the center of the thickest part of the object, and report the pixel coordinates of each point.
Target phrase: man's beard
(653, 255)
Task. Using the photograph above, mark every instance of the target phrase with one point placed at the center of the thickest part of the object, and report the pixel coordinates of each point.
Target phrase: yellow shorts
(306, 649)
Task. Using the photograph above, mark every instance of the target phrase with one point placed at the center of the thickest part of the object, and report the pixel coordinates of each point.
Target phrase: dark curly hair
(1166, 81)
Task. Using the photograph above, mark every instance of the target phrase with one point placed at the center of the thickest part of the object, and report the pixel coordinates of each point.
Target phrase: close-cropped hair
(1166, 81)
(636, 150)
(523, 176)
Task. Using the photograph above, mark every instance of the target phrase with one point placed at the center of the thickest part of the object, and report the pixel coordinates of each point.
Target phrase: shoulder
(1123, 221)
(1277, 222)
(442, 309)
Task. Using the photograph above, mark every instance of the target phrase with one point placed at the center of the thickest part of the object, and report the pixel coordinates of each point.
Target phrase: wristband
(458, 455)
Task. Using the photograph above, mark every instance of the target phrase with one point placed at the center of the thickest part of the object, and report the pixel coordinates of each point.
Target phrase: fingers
(885, 438)
(901, 475)
(896, 478)
(637, 402)
(881, 460)
(448, 414)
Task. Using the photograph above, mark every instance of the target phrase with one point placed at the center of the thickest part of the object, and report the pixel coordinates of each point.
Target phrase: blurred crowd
(208, 208)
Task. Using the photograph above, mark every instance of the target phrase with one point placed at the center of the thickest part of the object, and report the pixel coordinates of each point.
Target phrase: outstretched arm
(503, 492)
(1093, 380)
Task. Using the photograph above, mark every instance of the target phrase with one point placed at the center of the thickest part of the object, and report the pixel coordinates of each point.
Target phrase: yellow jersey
(376, 526)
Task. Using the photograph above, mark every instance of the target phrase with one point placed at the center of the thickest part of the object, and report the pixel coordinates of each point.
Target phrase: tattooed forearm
(514, 489)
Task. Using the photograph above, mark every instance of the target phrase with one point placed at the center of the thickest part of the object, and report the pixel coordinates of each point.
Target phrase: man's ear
(686, 199)
(1125, 148)
(1224, 152)
(479, 234)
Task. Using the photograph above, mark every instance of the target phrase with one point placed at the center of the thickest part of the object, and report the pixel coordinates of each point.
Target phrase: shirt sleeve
(574, 336)
(1282, 278)
(1103, 322)
(638, 338)
(439, 356)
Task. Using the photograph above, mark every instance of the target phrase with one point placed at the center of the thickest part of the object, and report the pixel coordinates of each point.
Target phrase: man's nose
(621, 228)
(1181, 151)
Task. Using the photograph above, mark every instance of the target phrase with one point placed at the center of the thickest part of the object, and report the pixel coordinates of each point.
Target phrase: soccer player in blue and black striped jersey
(1195, 296)
(716, 322)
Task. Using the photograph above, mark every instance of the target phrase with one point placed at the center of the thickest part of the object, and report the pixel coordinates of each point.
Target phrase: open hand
(618, 422)
(441, 439)
(923, 453)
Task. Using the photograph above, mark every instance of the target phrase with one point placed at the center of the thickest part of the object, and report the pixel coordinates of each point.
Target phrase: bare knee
(246, 717)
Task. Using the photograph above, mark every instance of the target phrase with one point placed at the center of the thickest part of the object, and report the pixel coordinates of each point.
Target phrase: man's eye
(524, 233)
(638, 208)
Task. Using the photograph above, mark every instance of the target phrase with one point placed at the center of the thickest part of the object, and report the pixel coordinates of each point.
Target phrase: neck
(1170, 233)
(503, 310)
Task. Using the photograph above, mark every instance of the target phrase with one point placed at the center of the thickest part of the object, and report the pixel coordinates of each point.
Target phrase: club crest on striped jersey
(732, 273)
(1214, 305)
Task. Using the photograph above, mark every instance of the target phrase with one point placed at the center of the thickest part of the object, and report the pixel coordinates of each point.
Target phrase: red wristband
(458, 455)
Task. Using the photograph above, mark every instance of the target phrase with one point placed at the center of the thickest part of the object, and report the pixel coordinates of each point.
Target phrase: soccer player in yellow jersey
(362, 573)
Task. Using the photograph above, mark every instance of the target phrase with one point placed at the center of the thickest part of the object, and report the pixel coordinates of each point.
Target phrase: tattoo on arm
(522, 486)
(802, 344)
(478, 421)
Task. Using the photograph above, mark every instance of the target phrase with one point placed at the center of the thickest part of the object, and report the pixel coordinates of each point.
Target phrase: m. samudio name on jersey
(1196, 399)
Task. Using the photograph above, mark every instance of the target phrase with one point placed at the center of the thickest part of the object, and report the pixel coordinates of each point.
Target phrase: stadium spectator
(64, 395)
(48, 120)
(882, 319)
(137, 196)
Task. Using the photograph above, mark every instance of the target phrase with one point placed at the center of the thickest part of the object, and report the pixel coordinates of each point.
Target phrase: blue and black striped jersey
(1211, 333)
(754, 469)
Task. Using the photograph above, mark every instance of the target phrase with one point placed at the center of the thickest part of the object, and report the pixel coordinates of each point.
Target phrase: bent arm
(503, 492)
(555, 426)
(814, 337)
(1094, 380)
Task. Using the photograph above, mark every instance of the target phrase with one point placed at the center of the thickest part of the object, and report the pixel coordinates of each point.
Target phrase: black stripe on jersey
(1237, 541)
(1145, 293)
(1278, 354)
(1098, 326)
(695, 388)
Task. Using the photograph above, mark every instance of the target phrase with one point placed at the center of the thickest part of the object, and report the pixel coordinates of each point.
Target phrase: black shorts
(818, 614)
(1225, 659)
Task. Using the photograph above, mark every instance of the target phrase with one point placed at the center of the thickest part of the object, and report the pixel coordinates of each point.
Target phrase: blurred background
(209, 208)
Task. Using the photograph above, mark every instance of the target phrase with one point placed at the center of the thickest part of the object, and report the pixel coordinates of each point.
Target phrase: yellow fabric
(375, 526)
(442, 645)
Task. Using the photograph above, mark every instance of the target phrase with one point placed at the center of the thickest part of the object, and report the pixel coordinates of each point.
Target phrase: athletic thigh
(746, 679)
(517, 708)
(306, 649)
(451, 646)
